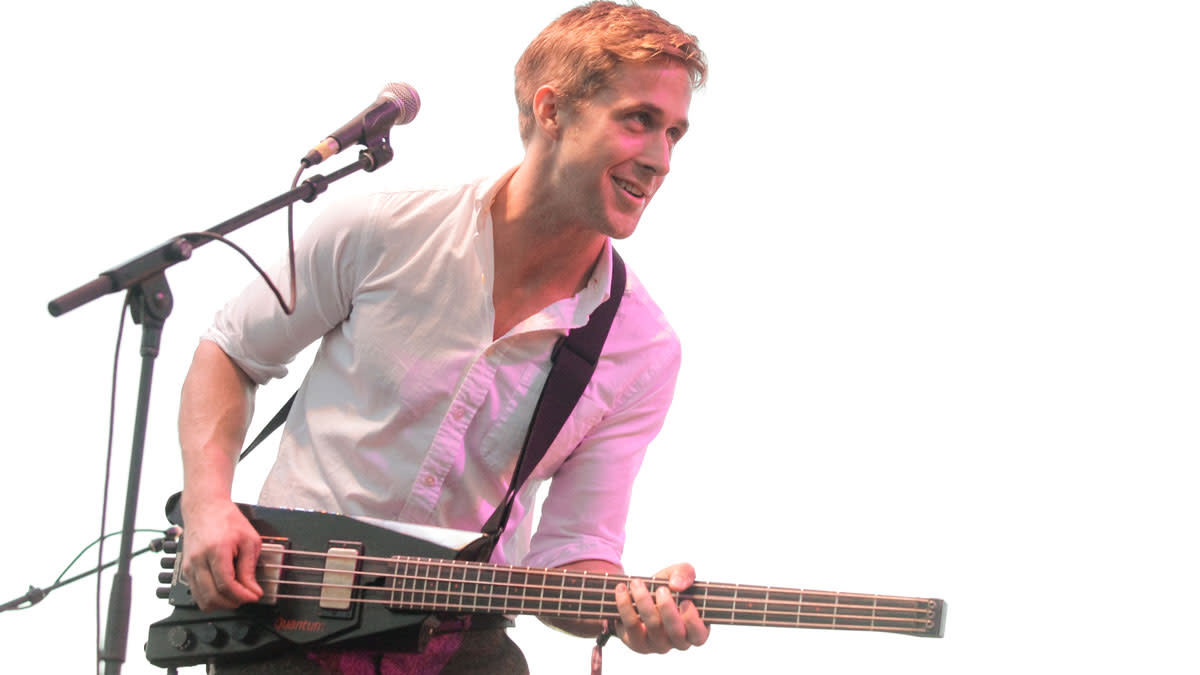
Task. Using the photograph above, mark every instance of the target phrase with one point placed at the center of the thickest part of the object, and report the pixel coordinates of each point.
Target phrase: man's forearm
(216, 405)
(580, 627)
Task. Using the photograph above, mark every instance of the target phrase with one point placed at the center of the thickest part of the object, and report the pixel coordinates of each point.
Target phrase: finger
(647, 609)
(694, 626)
(246, 563)
(229, 592)
(203, 589)
(680, 577)
(673, 628)
(631, 630)
(644, 602)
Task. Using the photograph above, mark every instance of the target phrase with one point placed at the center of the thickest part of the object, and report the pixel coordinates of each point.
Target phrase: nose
(656, 155)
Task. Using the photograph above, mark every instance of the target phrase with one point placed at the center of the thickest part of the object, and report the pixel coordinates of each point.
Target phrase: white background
(934, 265)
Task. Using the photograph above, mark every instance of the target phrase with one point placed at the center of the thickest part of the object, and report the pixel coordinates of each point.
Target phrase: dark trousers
(466, 653)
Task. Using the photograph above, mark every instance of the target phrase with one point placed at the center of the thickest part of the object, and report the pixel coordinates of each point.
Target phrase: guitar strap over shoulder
(572, 363)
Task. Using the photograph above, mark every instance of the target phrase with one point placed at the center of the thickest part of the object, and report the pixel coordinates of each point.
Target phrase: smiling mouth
(630, 188)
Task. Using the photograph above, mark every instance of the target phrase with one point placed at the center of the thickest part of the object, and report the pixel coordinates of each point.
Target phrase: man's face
(615, 148)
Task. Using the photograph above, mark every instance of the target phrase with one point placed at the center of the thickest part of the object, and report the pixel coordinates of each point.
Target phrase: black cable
(35, 595)
(288, 308)
(112, 415)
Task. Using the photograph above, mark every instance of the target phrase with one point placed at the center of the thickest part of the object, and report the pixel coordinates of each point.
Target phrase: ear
(548, 111)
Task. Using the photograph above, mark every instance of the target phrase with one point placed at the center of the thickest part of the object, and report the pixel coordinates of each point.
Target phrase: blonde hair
(579, 52)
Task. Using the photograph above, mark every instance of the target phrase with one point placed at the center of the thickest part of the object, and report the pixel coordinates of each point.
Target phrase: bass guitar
(333, 580)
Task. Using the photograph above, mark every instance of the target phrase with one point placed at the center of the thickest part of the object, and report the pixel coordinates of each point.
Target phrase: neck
(535, 244)
(460, 587)
(539, 257)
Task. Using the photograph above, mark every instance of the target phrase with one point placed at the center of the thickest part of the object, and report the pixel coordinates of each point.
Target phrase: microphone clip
(377, 153)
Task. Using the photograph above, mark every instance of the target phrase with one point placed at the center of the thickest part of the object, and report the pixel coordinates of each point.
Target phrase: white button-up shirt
(412, 412)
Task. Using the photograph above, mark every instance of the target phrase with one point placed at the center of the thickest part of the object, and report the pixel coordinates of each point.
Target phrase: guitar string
(603, 591)
(844, 599)
(596, 597)
(722, 617)
(756, 607)
(420, 599)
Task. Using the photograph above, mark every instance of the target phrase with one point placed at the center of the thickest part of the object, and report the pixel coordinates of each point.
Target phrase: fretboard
(447, 586)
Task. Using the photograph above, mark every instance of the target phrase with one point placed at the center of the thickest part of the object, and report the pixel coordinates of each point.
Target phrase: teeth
(629, 187)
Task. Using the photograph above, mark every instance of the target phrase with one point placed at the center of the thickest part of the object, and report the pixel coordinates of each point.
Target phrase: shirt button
(430, 480)
(458, 412)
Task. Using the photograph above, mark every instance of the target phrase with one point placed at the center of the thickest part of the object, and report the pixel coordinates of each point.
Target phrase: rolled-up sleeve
(256, 332)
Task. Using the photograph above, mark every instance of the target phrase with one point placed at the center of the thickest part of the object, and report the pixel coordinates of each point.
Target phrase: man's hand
(651, 622)
(219, 555)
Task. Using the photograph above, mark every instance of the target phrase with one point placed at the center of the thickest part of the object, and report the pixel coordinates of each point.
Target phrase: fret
(412, 571)
(506, 585)
(520, 579)
(741, 605)
(433, 584)
(752, 601)
(542, 595)
(423, 575)
(818, 610)
(855, 611)
(471, 588)
(582, 589)
(453, 585)
(571, 595)
(562, 583)
(441, 597)
(598, 591)
(478, 589)
(504, 592)
(491, 596)
(395, 585)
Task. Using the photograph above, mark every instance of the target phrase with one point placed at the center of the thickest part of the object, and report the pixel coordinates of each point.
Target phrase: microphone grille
(406, 97)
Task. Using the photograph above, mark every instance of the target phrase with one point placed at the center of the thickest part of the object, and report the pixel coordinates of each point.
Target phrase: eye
(641, 120)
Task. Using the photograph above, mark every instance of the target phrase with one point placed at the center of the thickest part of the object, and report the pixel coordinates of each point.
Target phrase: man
(437, 311)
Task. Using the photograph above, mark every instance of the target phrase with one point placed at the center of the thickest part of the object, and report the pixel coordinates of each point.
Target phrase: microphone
(397, 104)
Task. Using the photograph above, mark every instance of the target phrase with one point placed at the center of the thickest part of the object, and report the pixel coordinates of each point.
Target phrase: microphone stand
(150, 301)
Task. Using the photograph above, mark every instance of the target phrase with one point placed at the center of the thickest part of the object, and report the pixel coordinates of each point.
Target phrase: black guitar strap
(279, 418)
(572, 363)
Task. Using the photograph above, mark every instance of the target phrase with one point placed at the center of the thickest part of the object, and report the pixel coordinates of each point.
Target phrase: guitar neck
(449, 586)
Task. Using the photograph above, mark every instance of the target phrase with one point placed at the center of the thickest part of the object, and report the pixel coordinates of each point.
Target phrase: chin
(622, 225)
(620, 231)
